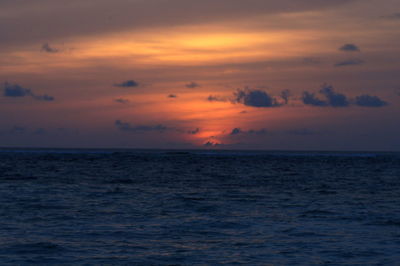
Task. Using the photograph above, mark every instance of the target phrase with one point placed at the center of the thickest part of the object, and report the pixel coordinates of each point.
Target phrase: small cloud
(18, 130)
(172, 96)
(124, 126)
(235, 131)
(349, 47)
(255, 98)
(369, 101)
(243, 112)
(192, 85)
(127, 84)
(239, 131)
(48, 49)
(39, 132)
(334, 99)
(194, 132)
(213, 98)
(310, 99)
(350, 62)
(45, 98)
(210, 144)
(121, 100)
(15, 90)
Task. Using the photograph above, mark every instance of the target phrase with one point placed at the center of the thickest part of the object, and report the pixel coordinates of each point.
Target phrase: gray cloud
(48, 49)
(192, 85)
(392, 16)
(239, 131)
(121, 100)
(369, 101)
(127, 84)
(125, 126)
(16, 91)
(335, 99)
(214, 98)
(235, 131)
(172, 96)
(349, 47)
(255, 98)
(350, 62)
(194, 132)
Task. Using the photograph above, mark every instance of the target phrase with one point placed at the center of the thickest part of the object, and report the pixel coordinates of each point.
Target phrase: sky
(210, 74)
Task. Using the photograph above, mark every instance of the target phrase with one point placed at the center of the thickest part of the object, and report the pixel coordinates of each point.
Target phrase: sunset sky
(210, 74)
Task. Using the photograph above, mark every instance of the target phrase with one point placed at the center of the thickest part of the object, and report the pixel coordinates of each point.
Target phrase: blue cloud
(16, 91)
(125, 126)
(349, 62)
(127, 84)
(349, 47)
(369, 101)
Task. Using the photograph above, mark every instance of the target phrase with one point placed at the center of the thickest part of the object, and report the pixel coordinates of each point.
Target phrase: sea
(165, 207)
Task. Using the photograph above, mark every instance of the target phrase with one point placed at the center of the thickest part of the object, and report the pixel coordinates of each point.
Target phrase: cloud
(255, 98)
(238, 131)
(48, 49)
(194, 132)
(335, 99)
(310, 99)
(213, 98)
(172, 96)
(350, 62)
(125, 126)
(127, 84)
(369, 101)
(120, 15)
(192, 85)
(235, 131)
(16, 91)
(121, 100)
(349, 47)
(302, 132)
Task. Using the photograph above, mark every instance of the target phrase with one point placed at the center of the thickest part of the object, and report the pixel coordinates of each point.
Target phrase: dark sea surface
(108, 207)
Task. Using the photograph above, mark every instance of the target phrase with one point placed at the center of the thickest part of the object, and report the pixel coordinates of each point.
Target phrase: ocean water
(94, 207)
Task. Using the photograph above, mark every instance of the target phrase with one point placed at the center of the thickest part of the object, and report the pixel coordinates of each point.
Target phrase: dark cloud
(309, 98)
(172, 96)
(125, 126)
(235, 131)
(255, 98)
(15, 90)
(127, 84)
(213, 98)
(239, 131)
(369, 101)
(335, 99)
(194, 132)
(350, 62)
(48, 49)
(192, 85)
(349, 47)
(121, 100)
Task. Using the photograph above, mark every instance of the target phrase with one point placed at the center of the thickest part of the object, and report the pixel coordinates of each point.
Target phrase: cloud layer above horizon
(201, 74)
